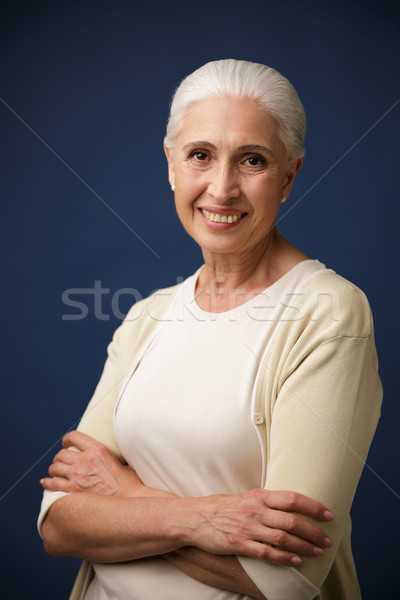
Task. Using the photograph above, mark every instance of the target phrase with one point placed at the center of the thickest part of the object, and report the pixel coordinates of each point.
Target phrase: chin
(221, 248)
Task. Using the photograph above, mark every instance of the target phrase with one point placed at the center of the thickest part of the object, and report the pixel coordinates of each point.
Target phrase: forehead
(227, 118)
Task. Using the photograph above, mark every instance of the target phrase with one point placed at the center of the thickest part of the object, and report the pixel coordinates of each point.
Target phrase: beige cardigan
(316, 405)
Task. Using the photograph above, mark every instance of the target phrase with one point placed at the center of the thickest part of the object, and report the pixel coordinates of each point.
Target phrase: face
(230, 174)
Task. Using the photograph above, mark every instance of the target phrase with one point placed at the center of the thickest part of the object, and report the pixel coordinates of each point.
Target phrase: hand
(259, 523)
(94, 469)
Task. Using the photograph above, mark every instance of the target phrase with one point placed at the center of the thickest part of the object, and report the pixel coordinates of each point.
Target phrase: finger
(60, 469)
(291, 543)
(295, 525)
(55, 484)
(270, 554)
(66, 456)
(284, 540)
(295, 502)
(79, 440)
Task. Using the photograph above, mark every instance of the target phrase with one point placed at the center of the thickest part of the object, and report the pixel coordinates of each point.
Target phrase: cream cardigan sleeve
(322, 398)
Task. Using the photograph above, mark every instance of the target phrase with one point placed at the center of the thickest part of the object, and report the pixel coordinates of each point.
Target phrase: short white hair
(241, 78)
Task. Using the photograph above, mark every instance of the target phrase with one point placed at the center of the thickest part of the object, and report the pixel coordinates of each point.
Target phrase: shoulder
(145, 316)
(339, 306)
(154, 306)
(326, 314)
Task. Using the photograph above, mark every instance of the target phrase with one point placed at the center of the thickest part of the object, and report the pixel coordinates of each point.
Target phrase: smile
(217, 218)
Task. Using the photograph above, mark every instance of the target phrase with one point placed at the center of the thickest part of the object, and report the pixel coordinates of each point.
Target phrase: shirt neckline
(273, 289)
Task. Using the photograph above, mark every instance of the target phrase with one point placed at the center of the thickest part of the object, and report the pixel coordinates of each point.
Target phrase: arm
(323, 397)
(224, 572)
(119, 540)
(96, 472)
(322, 426)
(113, 529)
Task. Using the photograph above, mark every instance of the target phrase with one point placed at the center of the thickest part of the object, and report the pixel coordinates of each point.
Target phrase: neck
(228, 280)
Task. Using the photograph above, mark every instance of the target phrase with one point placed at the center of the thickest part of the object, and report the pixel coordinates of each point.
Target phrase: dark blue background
(94, 81)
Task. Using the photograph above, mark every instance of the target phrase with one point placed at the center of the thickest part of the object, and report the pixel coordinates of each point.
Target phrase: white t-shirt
(184, 420)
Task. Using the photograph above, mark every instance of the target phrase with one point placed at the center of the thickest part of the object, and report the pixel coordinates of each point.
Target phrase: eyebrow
(202, 143)
(248, 147)
(253, 147)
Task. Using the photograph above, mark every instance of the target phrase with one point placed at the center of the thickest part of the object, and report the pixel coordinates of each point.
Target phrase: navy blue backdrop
(84, 96)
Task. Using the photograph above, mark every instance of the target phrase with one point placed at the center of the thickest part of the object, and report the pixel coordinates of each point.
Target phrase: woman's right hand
(259, 523)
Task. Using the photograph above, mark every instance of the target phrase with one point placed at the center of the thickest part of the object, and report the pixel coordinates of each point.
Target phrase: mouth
(228, 218)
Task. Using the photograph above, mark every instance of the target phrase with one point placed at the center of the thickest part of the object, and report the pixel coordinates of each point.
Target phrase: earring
(283, 199)
(173, 188)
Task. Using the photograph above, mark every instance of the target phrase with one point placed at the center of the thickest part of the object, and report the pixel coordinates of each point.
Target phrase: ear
(291, 173)
(170, 159)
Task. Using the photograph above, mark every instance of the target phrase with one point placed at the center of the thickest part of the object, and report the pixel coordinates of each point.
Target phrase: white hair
(240, 78)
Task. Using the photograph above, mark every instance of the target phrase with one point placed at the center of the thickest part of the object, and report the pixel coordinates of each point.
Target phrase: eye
(255, 161)
(198, 155)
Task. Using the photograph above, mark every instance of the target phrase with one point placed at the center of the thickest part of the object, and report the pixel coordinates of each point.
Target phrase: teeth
(217, 218)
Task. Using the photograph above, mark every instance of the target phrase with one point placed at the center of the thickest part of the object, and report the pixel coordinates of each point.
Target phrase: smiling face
(230, 174)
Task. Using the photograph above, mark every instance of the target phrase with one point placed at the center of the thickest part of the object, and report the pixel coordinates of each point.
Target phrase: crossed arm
(111, 516)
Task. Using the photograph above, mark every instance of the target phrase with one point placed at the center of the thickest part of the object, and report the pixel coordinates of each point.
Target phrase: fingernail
(327, 542)
(317, 551)
(296, 560)
(328, 516)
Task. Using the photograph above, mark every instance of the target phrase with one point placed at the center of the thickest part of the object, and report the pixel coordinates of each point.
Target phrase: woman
(255, 376)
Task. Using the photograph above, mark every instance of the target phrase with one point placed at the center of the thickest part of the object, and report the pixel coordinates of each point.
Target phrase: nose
(224, 185)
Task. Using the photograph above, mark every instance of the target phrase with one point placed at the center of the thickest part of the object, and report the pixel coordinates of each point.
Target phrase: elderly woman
(222, 448)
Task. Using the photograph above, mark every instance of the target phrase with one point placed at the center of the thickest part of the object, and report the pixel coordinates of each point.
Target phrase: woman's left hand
(93, 469)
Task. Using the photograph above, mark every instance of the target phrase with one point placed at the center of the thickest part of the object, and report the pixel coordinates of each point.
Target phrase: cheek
(265, 200)
(183, 204)
(190, 186)
(267, 188)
